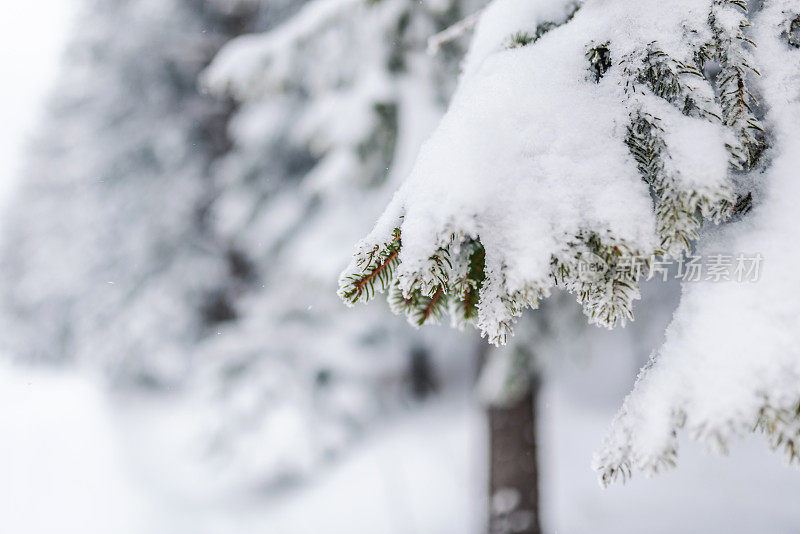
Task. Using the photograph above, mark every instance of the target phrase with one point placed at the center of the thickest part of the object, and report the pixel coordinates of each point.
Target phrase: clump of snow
(503, 18)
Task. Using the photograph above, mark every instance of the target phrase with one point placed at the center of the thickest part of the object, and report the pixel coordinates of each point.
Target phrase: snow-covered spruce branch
(255, 64)
(347, 67)
(561, 131)
(732, 49)
(731, 363)
(333, 102)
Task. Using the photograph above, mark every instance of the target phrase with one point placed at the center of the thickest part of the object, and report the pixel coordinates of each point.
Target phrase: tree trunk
(513, 472)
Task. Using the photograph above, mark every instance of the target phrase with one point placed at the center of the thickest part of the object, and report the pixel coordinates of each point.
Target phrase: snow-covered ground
(67, 466)
(60, 467)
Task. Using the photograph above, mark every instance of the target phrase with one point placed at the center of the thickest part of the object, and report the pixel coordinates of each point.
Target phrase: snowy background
(82, 454)
(33, 35)
(70, 464)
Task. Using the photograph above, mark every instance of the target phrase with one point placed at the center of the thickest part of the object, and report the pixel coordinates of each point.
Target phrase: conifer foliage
(730, 365)
(573, 156)
(610, 146)
(107, 254)
(348, 88)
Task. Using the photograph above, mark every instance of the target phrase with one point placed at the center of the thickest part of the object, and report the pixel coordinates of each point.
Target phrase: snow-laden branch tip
(560, 132)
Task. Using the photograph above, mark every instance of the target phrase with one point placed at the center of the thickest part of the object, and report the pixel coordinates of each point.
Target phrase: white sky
(32, 33)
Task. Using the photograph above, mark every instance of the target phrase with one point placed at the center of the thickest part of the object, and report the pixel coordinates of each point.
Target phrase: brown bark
(513, 472)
